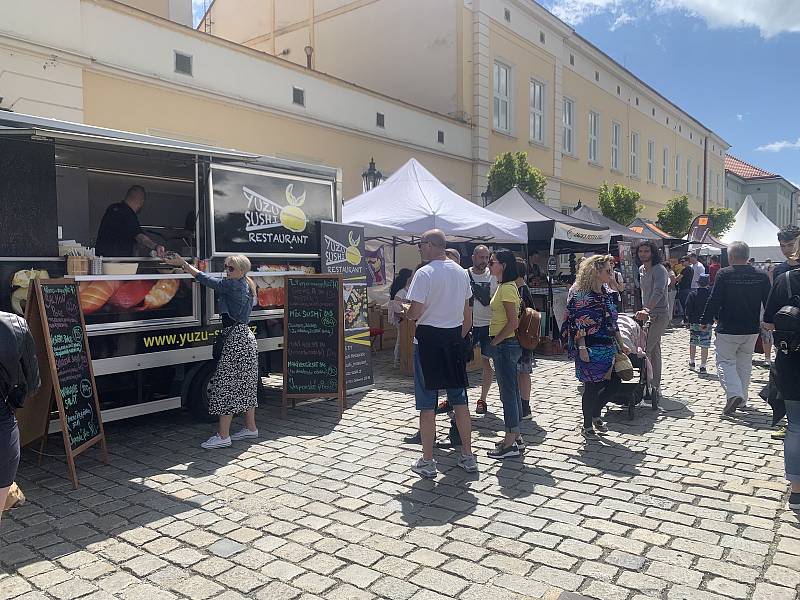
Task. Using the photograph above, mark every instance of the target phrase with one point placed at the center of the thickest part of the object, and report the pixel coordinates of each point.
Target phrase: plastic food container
(112, 268)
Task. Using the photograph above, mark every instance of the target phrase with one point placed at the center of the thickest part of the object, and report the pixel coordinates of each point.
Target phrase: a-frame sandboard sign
(56, 322)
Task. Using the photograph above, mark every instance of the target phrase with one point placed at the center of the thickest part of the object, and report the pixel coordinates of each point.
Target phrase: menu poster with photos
(343, 252)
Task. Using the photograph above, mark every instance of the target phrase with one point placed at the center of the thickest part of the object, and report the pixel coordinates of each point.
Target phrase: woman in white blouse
(397, 293)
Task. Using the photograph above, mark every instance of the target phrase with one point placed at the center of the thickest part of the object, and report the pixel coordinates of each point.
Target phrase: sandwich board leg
(43, 445)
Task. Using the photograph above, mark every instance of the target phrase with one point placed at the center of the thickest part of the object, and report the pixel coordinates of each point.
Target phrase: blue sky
(732, 64)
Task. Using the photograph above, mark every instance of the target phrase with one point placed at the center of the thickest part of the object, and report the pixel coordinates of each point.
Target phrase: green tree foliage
(721, 219)
(619, 203)
(676, 217)
(512, 168)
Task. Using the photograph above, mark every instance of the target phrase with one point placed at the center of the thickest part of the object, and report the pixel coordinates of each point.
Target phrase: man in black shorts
(19, 376)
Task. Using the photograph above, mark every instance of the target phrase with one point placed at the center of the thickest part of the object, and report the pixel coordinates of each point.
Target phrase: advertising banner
(257, 213)
(580, 235)
(376, 267)
(343, 253)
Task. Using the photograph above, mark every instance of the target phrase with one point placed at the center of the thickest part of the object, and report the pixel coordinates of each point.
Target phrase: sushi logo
(263, 213)
(353, 254)
(292, 216)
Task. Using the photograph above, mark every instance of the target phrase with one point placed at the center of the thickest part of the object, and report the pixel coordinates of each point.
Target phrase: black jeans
(9, 445)
(595, 397)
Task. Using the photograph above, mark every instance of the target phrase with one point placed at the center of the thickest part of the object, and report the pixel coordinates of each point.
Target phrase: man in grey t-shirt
(484, 286)
(653, 280)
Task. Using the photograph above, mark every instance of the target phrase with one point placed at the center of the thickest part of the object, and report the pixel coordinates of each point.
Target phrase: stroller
(630, 394)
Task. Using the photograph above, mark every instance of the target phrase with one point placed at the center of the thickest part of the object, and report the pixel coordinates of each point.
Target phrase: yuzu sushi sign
(259, 213)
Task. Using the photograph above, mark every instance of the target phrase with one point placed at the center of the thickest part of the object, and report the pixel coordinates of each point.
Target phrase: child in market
(699, 329)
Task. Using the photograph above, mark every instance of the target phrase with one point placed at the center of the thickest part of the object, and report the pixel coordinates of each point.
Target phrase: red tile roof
(745, 170)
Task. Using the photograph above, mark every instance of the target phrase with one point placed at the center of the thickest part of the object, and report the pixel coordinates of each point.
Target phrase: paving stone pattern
(677, 505)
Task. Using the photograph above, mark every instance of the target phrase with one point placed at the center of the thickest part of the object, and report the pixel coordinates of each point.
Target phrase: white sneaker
(216, 442)
(245, 434)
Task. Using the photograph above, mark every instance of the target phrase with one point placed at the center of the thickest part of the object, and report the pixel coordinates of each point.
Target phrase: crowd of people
(731, 306)
(458, 311)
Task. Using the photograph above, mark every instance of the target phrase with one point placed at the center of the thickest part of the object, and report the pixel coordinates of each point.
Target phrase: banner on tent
(376, 267)
(571, 233)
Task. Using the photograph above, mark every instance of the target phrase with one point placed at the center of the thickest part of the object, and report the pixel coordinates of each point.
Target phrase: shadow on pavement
(609, 456)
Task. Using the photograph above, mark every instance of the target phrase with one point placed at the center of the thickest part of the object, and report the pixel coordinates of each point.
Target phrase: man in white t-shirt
(483, 285)
(439, 296)
(698, 269)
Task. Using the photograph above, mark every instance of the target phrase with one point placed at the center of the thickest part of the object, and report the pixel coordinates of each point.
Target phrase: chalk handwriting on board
(313, 335)
(66, 335)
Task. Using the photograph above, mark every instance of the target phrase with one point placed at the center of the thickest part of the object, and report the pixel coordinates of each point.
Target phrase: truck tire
(198, 394)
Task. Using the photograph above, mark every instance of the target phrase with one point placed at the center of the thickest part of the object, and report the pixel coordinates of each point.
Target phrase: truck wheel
(198, 394)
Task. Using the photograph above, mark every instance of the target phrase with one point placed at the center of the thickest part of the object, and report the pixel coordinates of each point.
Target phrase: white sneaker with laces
(245, 434)
(216, 442)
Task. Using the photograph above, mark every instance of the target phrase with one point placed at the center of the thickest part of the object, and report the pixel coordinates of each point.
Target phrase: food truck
(151, 328)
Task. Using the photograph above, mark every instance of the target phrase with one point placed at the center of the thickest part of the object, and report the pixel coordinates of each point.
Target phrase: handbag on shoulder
(623, 366)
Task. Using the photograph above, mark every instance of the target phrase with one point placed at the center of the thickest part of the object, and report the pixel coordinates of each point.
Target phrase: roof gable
(745, 170)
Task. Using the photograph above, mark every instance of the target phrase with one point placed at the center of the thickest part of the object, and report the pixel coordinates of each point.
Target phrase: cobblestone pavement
(677, 504)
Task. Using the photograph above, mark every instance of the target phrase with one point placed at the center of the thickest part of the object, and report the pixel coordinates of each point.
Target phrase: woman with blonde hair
(592, 338)
(234, 386)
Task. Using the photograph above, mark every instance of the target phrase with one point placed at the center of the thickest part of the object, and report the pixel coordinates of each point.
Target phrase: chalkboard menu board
(259, 213)
(56, 321)
(313, 338)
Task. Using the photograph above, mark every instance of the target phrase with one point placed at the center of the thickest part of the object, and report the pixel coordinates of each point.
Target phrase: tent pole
(394, 257)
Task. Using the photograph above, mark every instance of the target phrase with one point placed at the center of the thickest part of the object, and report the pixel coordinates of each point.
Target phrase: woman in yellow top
(506, 350)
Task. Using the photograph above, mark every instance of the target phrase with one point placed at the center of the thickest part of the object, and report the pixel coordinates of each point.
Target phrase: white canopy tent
(756, 230)
(412, 201)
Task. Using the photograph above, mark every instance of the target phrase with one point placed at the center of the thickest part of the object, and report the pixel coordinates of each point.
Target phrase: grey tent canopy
(548, 227)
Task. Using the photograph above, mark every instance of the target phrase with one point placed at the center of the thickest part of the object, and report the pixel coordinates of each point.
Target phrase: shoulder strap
(469, 272)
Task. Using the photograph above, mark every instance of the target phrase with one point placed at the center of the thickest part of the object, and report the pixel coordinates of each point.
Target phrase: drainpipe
(705, 175)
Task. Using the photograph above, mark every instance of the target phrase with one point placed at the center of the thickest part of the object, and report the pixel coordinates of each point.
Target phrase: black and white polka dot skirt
(234, 386)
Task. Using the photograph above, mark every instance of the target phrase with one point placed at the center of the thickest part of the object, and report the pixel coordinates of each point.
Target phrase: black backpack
(16, 348)
(787, 321)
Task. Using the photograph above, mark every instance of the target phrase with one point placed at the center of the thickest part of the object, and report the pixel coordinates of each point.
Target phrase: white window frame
(665, 166)
(634, 170)
(536, 112)
(717, 194)
(699, 181)
(568, 126)
(501, 97)
(677, 172)
(616, 138)
(651, 158)
(594, 136)
(688, 176)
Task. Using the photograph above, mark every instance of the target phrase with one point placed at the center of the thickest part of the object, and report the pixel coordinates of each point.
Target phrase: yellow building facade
(520, 77)
(451, 82)
(128, 66)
